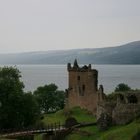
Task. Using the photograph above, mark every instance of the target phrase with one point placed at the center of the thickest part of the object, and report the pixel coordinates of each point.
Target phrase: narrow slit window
(83, 87)
(78, 78)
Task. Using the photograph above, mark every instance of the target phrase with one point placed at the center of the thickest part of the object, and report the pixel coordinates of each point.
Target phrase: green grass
(81, 115)
(54, 118)
(125, 132)
(38, 137)
(122, 132)
(78, 137)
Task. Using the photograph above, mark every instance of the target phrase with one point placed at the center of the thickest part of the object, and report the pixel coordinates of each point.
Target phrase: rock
(104, 121)
(71, 121)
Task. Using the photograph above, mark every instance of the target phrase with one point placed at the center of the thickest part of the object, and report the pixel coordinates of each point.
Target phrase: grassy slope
(81, 115)
(116, 133)
(125, 132)
(38, 137)
(121, 132)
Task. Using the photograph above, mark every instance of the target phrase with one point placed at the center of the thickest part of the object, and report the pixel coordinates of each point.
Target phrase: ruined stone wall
(105, 108)
(124, 113)
(122, 110)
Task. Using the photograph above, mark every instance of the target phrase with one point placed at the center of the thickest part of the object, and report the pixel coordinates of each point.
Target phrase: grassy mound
(81, 115)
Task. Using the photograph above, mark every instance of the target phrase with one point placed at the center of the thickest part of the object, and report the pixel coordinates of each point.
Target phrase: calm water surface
(109, 75)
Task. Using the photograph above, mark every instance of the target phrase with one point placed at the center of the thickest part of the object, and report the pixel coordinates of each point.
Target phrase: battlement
(76, 67)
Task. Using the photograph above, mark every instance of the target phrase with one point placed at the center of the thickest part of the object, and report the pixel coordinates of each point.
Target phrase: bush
(122, 87)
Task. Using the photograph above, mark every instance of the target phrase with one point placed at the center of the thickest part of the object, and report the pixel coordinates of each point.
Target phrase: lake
(109, 75)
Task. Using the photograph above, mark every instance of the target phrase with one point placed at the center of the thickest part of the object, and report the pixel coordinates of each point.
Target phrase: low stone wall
(124, 113)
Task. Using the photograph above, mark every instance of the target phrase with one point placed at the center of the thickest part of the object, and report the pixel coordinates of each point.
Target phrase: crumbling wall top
(76, 67)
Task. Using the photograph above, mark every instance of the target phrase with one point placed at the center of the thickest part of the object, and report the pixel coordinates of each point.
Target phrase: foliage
(122, 87)
(50, 99)
(112, 96)
(30, 109)
(17, 108)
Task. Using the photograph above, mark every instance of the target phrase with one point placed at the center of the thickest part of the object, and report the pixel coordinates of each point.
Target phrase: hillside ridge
(123, 54)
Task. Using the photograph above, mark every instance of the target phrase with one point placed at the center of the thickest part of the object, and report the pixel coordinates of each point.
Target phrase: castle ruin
(83, 91)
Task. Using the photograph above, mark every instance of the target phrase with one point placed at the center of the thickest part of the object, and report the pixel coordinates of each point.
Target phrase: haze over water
(109, 76)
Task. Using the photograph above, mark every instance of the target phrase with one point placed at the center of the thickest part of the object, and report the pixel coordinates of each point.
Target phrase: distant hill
(124, 54)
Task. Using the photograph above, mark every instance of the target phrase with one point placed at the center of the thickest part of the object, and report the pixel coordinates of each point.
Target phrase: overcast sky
(40, 25)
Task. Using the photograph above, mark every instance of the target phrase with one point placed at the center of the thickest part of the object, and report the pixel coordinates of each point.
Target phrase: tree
(11, 88)
(49, 98)
(30, 109)
(17, 108)
(122, 87)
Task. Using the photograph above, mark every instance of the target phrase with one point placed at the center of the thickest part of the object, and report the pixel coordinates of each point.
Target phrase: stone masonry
(83, 87)
(123, 110)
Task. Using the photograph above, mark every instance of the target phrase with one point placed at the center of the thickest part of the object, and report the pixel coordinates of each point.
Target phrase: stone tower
(83, 87)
